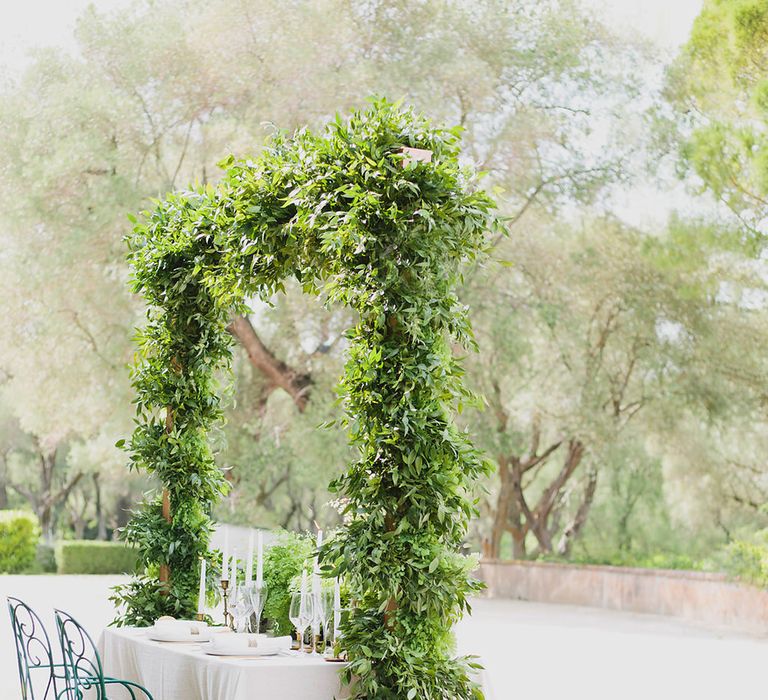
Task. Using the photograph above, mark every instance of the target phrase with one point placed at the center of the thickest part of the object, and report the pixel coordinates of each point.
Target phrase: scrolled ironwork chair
(82, 664)
(34, 653)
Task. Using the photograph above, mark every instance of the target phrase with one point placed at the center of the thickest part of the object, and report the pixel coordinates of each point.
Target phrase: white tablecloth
(182, 671)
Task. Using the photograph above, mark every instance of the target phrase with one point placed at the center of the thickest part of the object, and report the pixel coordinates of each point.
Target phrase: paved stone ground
(530, 650)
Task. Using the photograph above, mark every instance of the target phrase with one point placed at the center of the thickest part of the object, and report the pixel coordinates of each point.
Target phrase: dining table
(183, 671)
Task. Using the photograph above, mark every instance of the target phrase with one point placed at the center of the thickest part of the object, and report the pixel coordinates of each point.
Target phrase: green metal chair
(34, 655)
(82, 664)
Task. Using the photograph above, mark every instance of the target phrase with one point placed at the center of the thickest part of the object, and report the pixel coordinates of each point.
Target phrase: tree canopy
(621, 366)
(723, 130)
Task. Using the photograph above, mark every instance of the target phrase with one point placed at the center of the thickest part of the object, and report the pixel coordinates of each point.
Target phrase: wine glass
(326, 605)
(258, 592)
(241, 608)
(301, 614)
(318, 618)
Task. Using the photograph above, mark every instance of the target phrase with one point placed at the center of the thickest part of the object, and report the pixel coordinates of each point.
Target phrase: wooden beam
(165, 572)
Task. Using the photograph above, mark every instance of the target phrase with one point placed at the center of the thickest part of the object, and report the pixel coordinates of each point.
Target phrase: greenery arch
(348, 213)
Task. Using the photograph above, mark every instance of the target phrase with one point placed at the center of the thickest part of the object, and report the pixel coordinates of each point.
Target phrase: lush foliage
(748, 559)
(283, 561)
(659, 560)
(551, 103)
(151, 97)
(723, 133)
(608, 380)
(92, 557)
(19, 532)
(280, 463)
(346, 212)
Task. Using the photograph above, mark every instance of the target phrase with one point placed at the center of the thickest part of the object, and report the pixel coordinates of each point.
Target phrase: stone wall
(702, 597)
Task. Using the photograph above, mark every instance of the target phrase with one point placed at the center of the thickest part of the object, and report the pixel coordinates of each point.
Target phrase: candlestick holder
(200, 617)
(229, 621)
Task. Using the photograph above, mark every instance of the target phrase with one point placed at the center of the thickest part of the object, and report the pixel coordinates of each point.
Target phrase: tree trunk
(78, 526)
(514, 515)
(571, 533)
(165, 573)
(500, 522)
(519, 550)
(277, 372)
(47, 499)
(547, 507)
(509, 514)
(101, 525)
(45, 516)
(123, 514)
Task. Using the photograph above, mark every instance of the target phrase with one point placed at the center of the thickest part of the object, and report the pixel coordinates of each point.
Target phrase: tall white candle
(260, 559)
(316, 568)
(336, 608)
(316, 582)
(303, 582)
(316, 585)
(233, 572)
(201, 591)
(225, 555)
(249, 564)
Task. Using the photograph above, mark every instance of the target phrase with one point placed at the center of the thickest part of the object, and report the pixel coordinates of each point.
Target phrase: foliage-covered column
(181, 347)
(398, 232)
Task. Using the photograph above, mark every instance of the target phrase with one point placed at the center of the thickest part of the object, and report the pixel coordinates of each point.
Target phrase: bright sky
(666, 22)
(26, 24)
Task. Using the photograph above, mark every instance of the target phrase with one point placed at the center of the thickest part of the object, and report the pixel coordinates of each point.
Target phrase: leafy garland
(346, 213)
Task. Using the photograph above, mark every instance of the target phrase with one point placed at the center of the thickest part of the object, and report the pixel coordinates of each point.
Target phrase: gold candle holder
(229, 620)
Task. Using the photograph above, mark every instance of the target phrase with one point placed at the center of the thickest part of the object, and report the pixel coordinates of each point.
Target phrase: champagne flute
(240, 606)
(318, 618)
(326, 604)
(301, 614)
(258, 595)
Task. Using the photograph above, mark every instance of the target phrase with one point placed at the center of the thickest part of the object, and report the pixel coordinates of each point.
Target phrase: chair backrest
(81, 659)
(33, 651)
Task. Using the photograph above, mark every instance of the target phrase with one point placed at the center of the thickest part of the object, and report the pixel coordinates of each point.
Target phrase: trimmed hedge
(19, 534)
(94, 557)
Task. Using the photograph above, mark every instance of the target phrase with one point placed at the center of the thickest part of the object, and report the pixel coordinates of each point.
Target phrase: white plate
(178, 637)
(253, 651)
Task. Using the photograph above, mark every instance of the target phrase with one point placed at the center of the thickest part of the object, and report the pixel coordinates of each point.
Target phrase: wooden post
(165, 572)
(389, 523)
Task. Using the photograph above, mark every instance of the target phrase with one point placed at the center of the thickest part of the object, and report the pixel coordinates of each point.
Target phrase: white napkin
(251, 644)
(169, 625)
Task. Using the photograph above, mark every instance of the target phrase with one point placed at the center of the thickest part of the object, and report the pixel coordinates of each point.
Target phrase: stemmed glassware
(318, 618)
(326, 607)
(241, 607)
(257, 595)
(302, 613)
